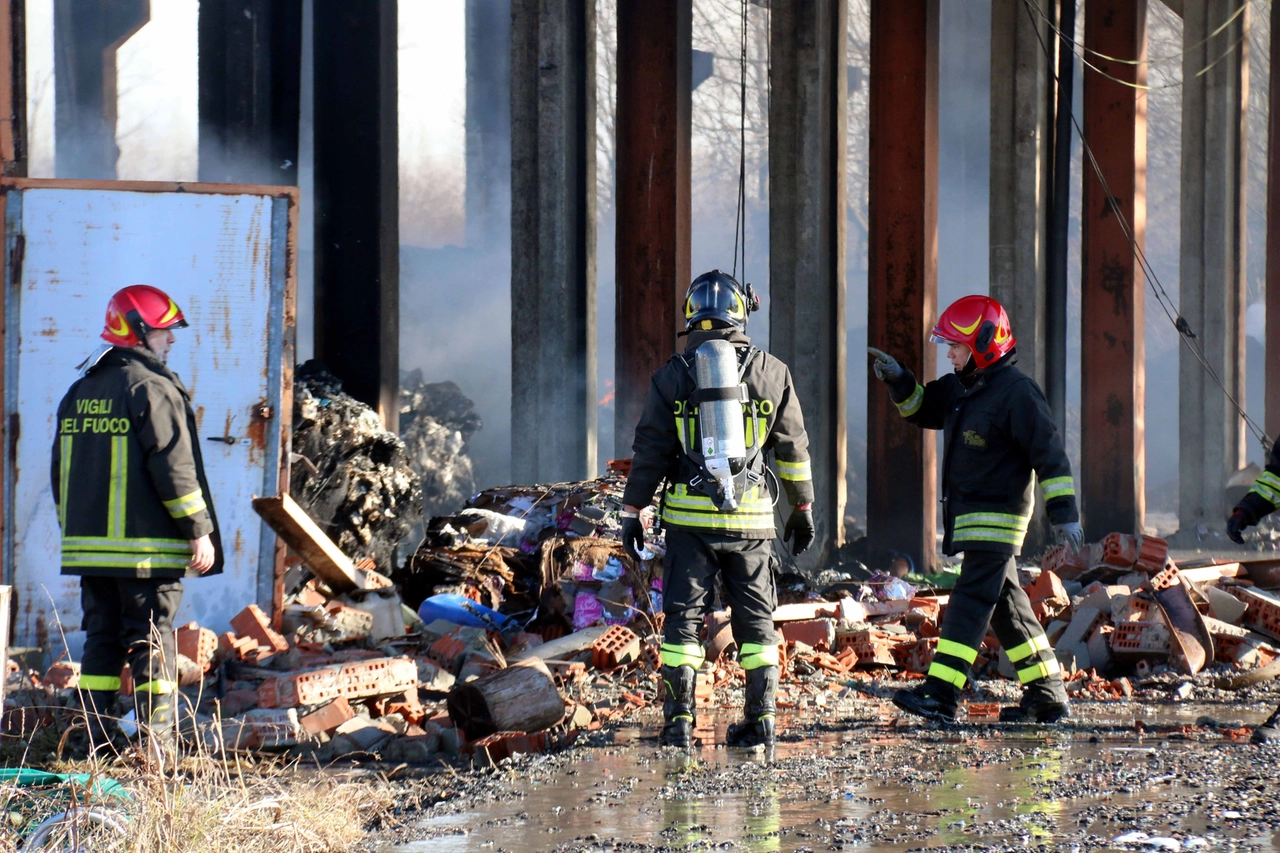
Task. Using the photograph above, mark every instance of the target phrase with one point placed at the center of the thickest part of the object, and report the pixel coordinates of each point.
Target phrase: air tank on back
(724, 444)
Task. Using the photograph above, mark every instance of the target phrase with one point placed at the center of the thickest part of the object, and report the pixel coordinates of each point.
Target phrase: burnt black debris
(364, 492)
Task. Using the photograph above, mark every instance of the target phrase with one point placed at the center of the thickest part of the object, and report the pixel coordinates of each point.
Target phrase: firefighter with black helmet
(134, 508)
(999, 437)
(1260, 501)
(711, 416)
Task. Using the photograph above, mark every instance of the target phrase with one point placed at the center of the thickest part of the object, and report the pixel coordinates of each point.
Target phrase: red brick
(197, 644)
(616, 647)
(327, 718)
(916, 657)
(406, 705)
(818, 634)
(1153, 553)
(1120, 550)
(62, 675)
(1146, 639)
(252, 622)
(447, 651)
(1047, 587)
(236, 702)
(1263, 612)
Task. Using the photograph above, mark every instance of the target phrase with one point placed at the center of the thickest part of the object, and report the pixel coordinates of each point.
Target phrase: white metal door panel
(214, 255)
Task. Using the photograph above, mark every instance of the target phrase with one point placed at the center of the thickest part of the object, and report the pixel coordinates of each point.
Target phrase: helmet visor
(935, 338)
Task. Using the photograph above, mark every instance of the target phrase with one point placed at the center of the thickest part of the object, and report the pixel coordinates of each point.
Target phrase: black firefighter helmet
(717, 300)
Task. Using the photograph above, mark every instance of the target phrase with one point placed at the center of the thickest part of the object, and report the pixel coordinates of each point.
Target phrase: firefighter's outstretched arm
(1032, 427)
(1260, 501)
(922, 405)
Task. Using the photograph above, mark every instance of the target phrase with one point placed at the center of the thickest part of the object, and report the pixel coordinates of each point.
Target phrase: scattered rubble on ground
(519, 622)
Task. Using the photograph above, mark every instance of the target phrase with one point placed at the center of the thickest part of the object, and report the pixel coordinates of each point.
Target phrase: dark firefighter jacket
(997, 430)
(127, 473)
(1264, 497)
(669, 425)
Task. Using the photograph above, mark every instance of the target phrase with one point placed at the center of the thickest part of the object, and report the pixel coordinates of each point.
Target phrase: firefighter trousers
(692, 562)
(129, 620)
(987, 593)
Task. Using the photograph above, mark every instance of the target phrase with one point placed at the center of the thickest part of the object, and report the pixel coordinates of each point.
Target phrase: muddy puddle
(862, 783)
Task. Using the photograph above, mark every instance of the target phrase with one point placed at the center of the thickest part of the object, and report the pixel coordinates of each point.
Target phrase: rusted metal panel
(903, 282)
(1113, 373)
(225, 257)
(653, 151)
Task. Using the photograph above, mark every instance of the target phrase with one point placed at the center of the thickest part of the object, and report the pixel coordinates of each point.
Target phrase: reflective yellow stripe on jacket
(1267, 487)
(998, 527)
(685, 509)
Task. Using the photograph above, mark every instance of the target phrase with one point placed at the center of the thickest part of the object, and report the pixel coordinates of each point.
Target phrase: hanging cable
(1185, 333)
(1034, 10)
(740, 218)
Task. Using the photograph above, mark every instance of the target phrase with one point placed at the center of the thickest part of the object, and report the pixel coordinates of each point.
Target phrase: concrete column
(1021, 188)
(652, 257)
(488, 128)
(1021, 172)
(807, 128)
(86, 35)
(1113, 376)
(1272, 424)
(357, 236)
(553, 240)
(250, 73)
(1212, 260)
(902, 284)
(13, 89)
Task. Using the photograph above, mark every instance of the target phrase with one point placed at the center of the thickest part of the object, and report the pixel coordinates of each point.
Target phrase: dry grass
(211, 806)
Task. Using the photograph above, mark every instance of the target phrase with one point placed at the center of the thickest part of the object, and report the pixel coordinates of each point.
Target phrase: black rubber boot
(935, 700)
(1043, 701)
(677, 708)
(1268, 732)
(155, 714)
(758, 727)
(100, 713)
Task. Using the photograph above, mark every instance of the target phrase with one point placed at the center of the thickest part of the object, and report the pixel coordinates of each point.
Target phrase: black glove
(633, 538)
(1236, 525)
(886, 367)
(800, 526)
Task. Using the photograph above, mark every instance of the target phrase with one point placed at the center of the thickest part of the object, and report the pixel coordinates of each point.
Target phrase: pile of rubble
(520, 621)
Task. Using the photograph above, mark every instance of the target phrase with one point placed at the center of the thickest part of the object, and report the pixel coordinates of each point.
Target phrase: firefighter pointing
(712, 415)
(134, 508)
(998, 432)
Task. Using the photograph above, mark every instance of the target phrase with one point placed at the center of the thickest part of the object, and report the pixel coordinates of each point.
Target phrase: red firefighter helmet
(981, 324)
(138, 309)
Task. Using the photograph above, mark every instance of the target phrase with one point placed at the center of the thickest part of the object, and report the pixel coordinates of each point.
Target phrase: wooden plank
(563, 648)
(1208, 574)
(292, 524)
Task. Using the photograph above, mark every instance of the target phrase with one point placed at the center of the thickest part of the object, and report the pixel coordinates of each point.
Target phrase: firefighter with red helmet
(999, 438)
(134, 508)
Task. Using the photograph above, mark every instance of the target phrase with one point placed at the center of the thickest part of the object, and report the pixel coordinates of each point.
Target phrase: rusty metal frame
(282, 334)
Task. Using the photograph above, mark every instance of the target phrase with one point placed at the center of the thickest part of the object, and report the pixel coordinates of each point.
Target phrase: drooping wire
(740, 218)
(1083, 52)
(1185, 333)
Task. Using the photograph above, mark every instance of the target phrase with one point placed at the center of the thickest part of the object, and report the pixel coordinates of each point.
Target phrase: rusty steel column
(250, 61)
(1113, 374)
(652, 256)
(553, 240)
(86, 35)
(807, 216)
(1272, 424)
(13, 88)
(902, 287)
(357, 199)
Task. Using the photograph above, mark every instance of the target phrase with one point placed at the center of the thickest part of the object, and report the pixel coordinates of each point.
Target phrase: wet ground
(1121, 776)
